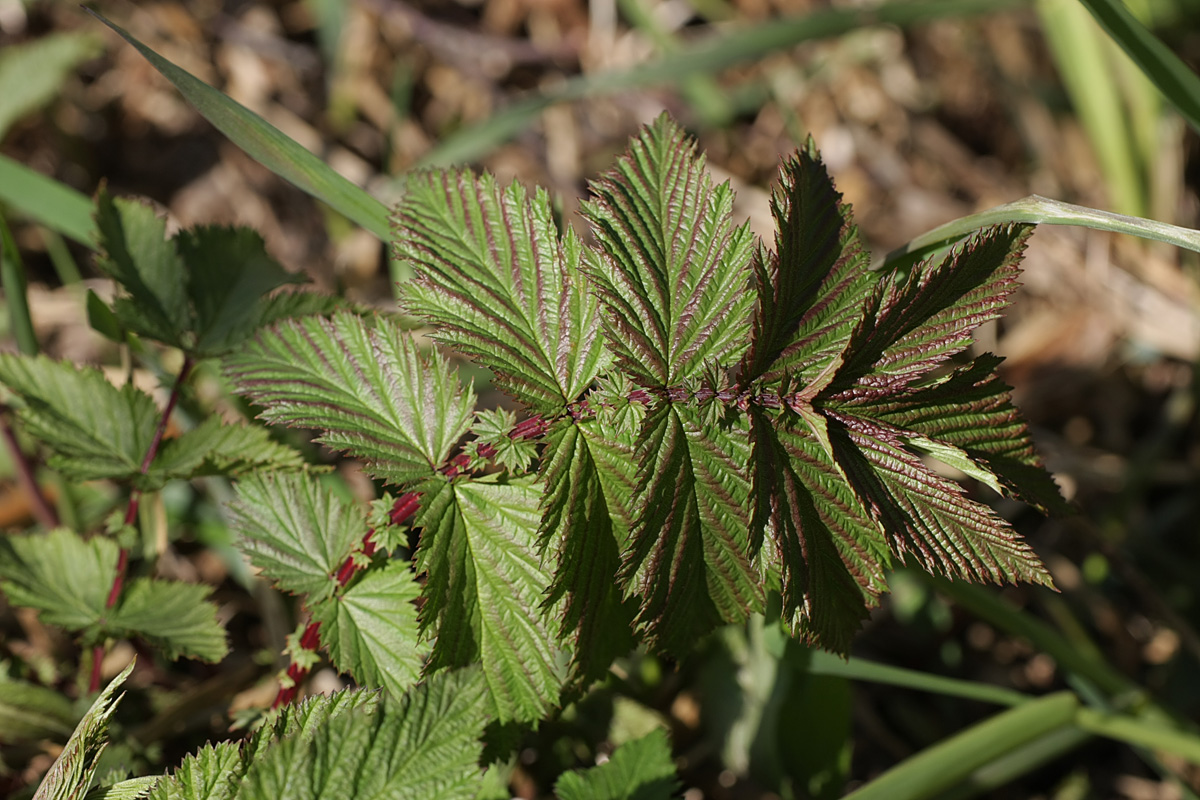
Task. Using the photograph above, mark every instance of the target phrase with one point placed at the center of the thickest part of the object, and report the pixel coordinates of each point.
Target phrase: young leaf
(810, 290)
(484, 578)
(371, 628)
(71, 773)
(687, 555)
(494, 428)
(371, 391)
(94, 429)
(642, 769)
(423, 745)
(912, 323)
(672, 271)
(296, 530)
(492, 274)
(59, 574)
(173, 616)
(578, 525)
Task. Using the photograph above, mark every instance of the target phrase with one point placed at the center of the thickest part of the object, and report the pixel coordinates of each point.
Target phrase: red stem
(135, 497)
(42, 511)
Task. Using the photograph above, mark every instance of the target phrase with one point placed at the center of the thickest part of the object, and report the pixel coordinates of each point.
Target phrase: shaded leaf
(66, 578)
(642, 769)
(371, 391)
(484, 580)
(370, 629)
(30, 713)
(492, 274)
(214, 448)
(296, 530)
(672, 270)
(32, 74)
(173, 616)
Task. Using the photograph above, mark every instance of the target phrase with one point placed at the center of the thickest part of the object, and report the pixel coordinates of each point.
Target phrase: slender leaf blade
(371, 391)
(51, 203)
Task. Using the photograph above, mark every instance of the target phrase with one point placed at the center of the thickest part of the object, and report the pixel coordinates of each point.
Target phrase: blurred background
(952, 107)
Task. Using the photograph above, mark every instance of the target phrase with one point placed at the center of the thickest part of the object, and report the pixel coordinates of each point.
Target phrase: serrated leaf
(71, 773)
(215, 448)
(30, 713)
(212, 773)
(370, 629)
(686, 558)
(136, 253)
(493, 427)
(916, 321)
(94, 429)
(810, 290)
(32, 74)
(130, 789)
(971, 411)
(371, 391)
(672, 270)
(305, 719)
(642, 769)
(493, 275)
(423, 745)
(174, 616)
(228, 273)
(60, 574)
(478, 549)
(578, 526)
(296, 530)
(822, 601)
(926, 517)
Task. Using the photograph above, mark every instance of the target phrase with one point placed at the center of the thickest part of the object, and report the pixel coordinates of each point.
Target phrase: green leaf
(296, 530)
(970, 412)
(228, 273)
(493, 276)
(484, 578)
(52, 204)
(493, 428)
(16, 293)
(215, 448)
(686, 559)
(94, 429)
(423, 745)
(175, 617)
(268, 146)
(914, 322)
(131, 789)
(578, 526)
(71, 773)
(30, 713)
(642, 769)
(371, 628)
(59, 574)
(371, 391)
(212, 773)
(307, 718)
(136, 252)
(926, 517)
(32, 74)
(811, 289)
(673, 274)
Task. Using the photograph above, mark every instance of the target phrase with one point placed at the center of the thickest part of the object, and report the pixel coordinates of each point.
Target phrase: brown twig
(42, 511)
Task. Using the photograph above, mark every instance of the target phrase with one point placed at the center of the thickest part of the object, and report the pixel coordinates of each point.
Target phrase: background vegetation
(950, 108)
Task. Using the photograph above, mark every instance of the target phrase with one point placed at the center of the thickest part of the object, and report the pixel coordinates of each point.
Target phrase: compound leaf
(370, 390)
(492, 274)
(370, 629)
(478, 549)
(672, 270)
(687, 554)
(175, 617)
(642, 769)
(66, 578)
(423, 745)
(71, 773)
(94, 429)
(810, 290)
(296, 530)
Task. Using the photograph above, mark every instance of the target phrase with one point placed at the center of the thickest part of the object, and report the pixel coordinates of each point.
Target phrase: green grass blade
(1158, 735)
(1173, 78)
(1042, 211)
(55, 205)
(12, 280)
(706, 57)
(823, 663)
(269, 146)
(948, 762)
(1018, 763)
